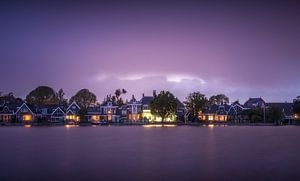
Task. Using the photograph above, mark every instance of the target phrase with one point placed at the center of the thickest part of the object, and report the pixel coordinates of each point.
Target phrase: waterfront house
(25, 113)
(134, 110)
(235, 112)
(109, 111)
(8, 107)
(72, 113)
(94, 114)
(215, 113)
(58, 115)
(146, 112)
(6, 113)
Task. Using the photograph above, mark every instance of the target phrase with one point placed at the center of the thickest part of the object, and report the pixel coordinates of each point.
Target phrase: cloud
(175, 78)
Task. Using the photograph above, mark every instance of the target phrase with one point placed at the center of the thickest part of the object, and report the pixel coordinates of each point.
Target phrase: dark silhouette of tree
(60, 96)
(10, 98)
(218, 99)
(42, 95)
(117, 97)
(163, 105)
(274, 114)
(84, 98)
(195, 102)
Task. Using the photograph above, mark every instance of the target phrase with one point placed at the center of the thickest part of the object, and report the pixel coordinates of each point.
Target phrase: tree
(84, 98)
(253, 115)
(10, 98)
(60, 96)
(274, 114)
(163, 105)
(82, 113)
(117, 97)
(195, 102)
(219, 99)
(42, 95)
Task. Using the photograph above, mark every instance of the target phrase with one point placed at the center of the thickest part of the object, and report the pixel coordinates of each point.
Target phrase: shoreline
(204, 124)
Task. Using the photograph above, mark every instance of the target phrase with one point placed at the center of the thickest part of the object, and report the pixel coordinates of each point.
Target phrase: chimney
(154, 93)
(143, 95)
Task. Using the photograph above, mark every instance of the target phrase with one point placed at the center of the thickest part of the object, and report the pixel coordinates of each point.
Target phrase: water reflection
(159, 125)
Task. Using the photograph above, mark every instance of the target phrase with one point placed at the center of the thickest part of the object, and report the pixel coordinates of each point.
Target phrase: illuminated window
(95, 118)
(221, 118)
(210, 117)
(27, 117)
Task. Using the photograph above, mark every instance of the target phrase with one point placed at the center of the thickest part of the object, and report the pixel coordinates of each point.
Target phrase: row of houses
(233, 112)
(133, 111)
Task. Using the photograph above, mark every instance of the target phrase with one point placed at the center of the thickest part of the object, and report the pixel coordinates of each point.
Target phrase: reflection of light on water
(27, 126)
(159, 125)
(210, 125)
(94, 126)
(70, 126)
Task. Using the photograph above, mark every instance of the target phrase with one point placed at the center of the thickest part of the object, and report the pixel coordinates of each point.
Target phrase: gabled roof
(217, 109)
(58, 109)
(254, 102)
(146, 100)
(180, 105)
(73, 104)
(29, 107)
(6, 110)
(69, 111)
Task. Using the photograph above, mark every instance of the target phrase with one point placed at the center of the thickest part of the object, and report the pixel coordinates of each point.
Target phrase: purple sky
(241, 49)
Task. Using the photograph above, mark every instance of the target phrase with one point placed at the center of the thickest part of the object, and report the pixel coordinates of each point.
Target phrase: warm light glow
(27, 117)
(69, 126)
(210, 125)
(27, 126)
(210, 117)
(70, 117)
(95, 118)
(296, 116)
(159, 125)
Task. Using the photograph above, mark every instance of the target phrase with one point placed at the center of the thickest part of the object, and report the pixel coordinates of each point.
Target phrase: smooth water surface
(139, 153)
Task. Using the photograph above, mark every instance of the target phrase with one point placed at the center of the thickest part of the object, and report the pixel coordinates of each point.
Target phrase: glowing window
(27, 117)
(210, 117)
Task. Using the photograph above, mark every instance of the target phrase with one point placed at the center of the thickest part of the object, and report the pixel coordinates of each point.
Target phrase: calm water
(138, 153)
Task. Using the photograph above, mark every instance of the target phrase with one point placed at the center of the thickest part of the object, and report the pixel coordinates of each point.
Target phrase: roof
(94, 110)
(133, 101)
(217, 109)
(254, 102)
(146, 100)
(180, 105)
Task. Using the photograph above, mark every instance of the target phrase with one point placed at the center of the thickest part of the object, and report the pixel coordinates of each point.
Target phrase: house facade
(215, 113)
(109, 111)
(25, 114)
(71, 115)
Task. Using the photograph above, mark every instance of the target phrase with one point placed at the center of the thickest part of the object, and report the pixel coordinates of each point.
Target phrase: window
(27, 117)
